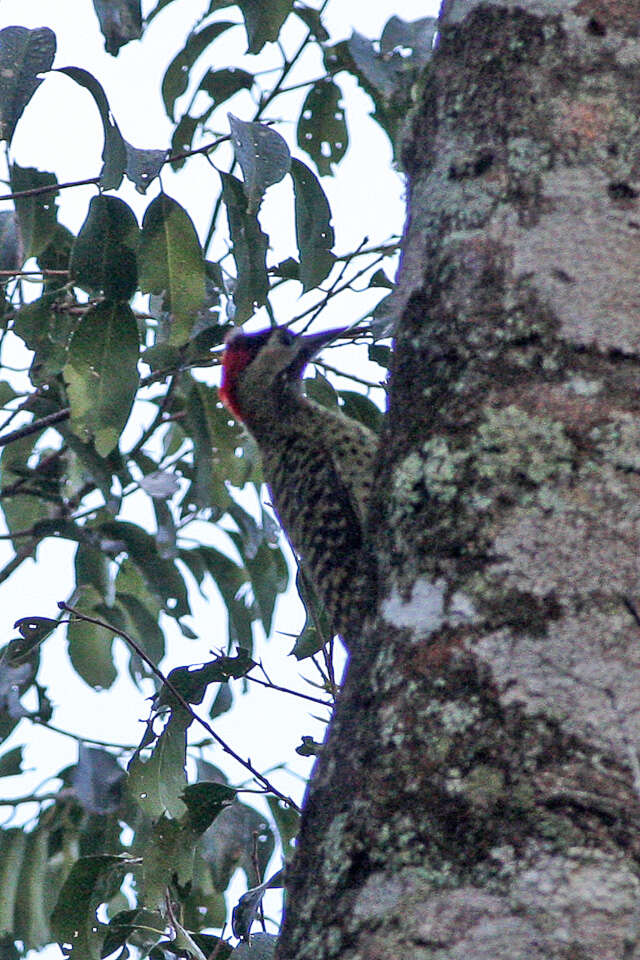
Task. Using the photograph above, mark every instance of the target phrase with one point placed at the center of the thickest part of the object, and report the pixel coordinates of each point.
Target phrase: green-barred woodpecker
(318, 464)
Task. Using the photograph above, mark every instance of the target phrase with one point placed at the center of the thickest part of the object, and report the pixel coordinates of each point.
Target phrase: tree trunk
(479, 792)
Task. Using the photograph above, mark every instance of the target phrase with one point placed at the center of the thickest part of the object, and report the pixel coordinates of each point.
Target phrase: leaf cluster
(114, 441)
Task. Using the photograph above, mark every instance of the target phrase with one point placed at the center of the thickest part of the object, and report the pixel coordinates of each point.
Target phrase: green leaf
(7, 393)
(215, 442)
(384, 317)
(182, 139)
(92, 569)
(144, 626)
(318, 388)
(192, 682)
(97, 468)
(308, 747)
(205, 801)
(143, 166)
(381, 354)
(103, 258)
(269, 579)
(21, 511)
(263, 20)
(263, 156)
(361, 408)
(97, 780)
(13, 844)
(316, 631)
(37, 215)
(171, 263)
(11, 248)
(414, 35)
(314, 233)
(162, 576)
(114, 153)
(35, 882)
(322, 128)
(261, 947)
(249, 250)
(140, 927)
(287, 820)
(312, 19)
(35, 629)
(157, 784)
(47, 332)
(380, 73)
(11, 766)
(74, 920)
(23, 55)
(222, 702)
(221, 85)
(264, 562)
(90, 646)
(55, 256)
(120, 21)
(231, 843)
(102, 374)
(167, 861)
(160, 5)
(176, 79)
(229, 578)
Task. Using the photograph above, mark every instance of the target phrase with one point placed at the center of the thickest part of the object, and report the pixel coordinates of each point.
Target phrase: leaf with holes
(176, 78)
(37, 214)
(263, 156)
(322, 128)
(314, 233)
(249, 250)
(157, 784)
(415, 36)
(143, 166)
(74, 920)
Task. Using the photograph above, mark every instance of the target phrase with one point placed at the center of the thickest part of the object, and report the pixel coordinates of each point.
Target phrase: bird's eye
(286, 337)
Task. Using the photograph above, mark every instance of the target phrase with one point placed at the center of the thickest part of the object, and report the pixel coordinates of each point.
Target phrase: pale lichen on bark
(479, 793)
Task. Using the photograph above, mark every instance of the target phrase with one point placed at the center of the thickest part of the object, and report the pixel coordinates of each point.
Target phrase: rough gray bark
(479, 793)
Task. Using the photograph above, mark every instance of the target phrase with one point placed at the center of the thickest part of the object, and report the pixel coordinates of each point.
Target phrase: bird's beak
(311, 344)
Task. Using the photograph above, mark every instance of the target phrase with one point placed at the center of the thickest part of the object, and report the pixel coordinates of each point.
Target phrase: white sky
(61, 131)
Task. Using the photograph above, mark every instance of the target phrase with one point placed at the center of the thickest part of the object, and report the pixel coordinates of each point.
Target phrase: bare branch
(181, 700)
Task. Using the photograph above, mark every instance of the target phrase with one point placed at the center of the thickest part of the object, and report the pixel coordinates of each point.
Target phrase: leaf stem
(269, 787)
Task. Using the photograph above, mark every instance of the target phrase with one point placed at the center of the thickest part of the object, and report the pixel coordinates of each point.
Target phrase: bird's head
(260, 370)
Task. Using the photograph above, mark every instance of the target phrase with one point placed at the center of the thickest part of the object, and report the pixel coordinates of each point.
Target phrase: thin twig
(293, 693)
(38, 798)
(34, 273)
(80, 738)
(20, 556)
(349, 376)
(333, 292)
(181, 700)
(95, 181)
(35, 426)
